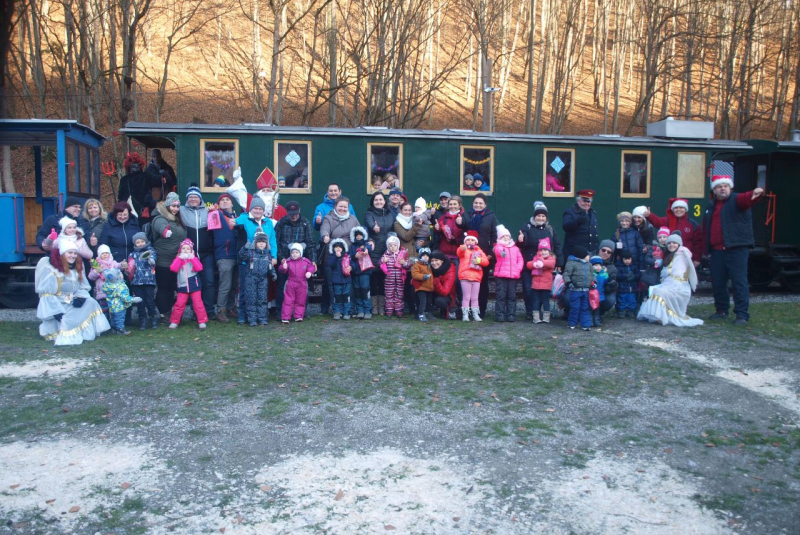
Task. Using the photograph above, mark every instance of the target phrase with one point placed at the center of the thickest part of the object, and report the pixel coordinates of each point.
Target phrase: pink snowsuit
(296, 290)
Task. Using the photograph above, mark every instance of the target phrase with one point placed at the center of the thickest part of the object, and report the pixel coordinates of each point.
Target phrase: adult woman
(668, 300)
(484, 222)
(444, 284)
(336, 224)
(536, 229)
(69, 315)
(96, 218)
(378, 221)
(168, 233)
(450, 228)
(406, 228)
(118, 232)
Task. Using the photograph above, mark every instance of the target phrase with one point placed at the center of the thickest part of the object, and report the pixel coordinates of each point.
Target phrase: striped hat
(193, 190)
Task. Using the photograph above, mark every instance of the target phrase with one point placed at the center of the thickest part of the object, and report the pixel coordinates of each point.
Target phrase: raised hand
(459, 220)
(53, 234)
(319, 219)
(376, 228)
(758, 192)
(521, 237)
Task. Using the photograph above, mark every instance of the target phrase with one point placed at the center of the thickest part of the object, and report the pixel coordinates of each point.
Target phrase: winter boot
(464, 314)
(537, 317)
(546, 318)
(381, 305)
(374, 301)
(154, 321)
(476, 314)
(142, 322)
(222, 315)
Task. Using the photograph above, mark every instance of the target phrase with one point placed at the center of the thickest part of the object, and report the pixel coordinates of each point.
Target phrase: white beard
(270, 199)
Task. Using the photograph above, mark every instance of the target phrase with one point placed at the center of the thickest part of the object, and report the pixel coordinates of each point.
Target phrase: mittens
(53, 234)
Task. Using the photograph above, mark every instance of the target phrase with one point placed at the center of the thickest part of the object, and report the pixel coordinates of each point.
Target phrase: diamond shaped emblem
(557, 164)
(293, 158)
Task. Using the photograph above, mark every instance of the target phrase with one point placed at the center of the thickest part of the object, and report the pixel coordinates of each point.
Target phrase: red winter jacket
(445, 285)
(690, 231)
(450, 246)
(544, 281)
(465, 272)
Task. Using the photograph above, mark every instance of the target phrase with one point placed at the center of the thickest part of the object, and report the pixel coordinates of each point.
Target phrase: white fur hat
(103, 249)
(639, 211)
(298, 247)
(65, 221)
(502, 231)
(420, 203)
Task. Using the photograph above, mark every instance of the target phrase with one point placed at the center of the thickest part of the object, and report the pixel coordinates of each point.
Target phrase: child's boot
(476, 314)
(620, 313)
(464, 314)
(546, 318)
(381, 305)
(536, 317)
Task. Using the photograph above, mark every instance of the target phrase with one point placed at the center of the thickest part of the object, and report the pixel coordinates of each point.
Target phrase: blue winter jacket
(119, 237)
(250, 226)
(225, 239)
(632, 242)
(628, 278)
(144, 270)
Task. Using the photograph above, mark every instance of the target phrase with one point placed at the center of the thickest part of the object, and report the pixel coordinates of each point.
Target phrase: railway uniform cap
(293, 208)
(624, 215)
(172, 199)
(663, 231)
(193, 190)
(71, 201)
(539, 208)
(639, 211)
(675, 238)
(67, 245)
(680, 203)
(717, 180)
(586, 193)
(445, 195)
(103, 249)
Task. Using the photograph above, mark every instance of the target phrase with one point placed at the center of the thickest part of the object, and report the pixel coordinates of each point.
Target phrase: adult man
(72, 209)
(194, 216)
(580, 225)
(137, 185)
(396, 200)
(293, 228)
(728, 231)
(444, 199)
(226, 253)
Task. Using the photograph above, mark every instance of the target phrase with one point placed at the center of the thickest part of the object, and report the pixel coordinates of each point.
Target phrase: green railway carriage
(517, 168)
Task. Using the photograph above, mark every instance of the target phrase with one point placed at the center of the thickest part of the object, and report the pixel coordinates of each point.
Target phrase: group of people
(398, 259)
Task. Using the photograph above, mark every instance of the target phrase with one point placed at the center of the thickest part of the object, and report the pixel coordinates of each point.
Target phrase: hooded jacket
(166, 248)
(691, 233)
(195, 219)
(544, 280)
(444, 278)
(187, 271)
(359, 246)
(335, 263)
(467, 273)
(418, 272)
(324, 208)
(579, 273)
(509, 264)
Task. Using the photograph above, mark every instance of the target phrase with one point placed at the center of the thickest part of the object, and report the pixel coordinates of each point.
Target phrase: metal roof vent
(796, 136)
(672, 129)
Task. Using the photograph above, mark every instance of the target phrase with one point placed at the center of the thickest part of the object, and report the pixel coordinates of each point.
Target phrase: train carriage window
(559, 176)
(73, 178)
(384, 166)
(293, 165)
(477, 170)
(691, 175)
(635, 173)
(219, 158)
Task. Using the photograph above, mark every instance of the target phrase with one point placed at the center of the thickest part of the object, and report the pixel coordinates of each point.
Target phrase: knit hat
(625, 254)
(579, 251)
(103, 249)
(424, 251)
(188, 242)
(71, 201)
(716, 180)
(172, 199)
(680, 203)
(624, 215)
(502, 231)
(445, 194)
(139, 236)
(477, 176)
(224, 196)
(193, 190)
(420, 203)
(395, 191)
(260, 236)
(639, 211)
(257, 202)
(539, 208)
(675, 238)
(470, 235)
(607, 244)
(596, 260)
(392, 238)
(297, 247)
(663, 231)
(65, 221)
(544, 243)
(66, 245)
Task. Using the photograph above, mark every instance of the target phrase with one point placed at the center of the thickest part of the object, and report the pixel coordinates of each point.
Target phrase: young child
(69, 231)
(628, 276)
(628, 239)
(295, 292)
(600, 278)
(258, 262)
(359, 252)
(507, 271)
(393, 265)
(103, 261)
(422, 281)
(119, 299)
(579, 278)
(339, 263)
(470, 272)
(654, 259)
(542, 267)
(422, 215)
(142, 274)
(187, 266)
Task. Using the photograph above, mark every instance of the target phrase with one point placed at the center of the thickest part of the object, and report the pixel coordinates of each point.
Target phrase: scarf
(404, 221)
(475, 219)
(340, 217)
(446, 263)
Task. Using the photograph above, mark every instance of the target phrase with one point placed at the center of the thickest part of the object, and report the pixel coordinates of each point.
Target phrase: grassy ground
(572, 396)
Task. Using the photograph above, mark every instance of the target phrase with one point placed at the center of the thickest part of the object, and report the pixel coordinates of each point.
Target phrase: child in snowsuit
(422, 215)
(339, 264)
(422, 281)
(119, 299)
(654, 260)
(393, 265)
(295, 292)
(103, 261)
(472, 260)
(628, 276)
(142, 274)
(359, 252)
(258, 262)
(579, 278)
(507, 271)
(541, 268)
(601, 278)
(186, 265)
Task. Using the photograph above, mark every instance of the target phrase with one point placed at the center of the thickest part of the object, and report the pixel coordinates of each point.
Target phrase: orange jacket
(418, 272)
(467, 273)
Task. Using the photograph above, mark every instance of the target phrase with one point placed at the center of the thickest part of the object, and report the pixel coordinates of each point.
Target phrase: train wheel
(759, 273)
(791, 284)
(19, 299)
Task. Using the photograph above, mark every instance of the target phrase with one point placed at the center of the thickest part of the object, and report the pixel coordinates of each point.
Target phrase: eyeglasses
(606, 251)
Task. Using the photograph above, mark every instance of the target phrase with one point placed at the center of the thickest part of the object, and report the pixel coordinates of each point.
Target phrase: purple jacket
(297, 269)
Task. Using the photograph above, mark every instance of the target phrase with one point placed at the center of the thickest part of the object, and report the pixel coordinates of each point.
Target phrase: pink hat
(544, 243)
(502, 231)
(188, 242)
(717, 180)
(663, 231)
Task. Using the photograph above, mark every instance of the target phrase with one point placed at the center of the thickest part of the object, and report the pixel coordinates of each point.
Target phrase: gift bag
(346, 269)
(365, 262)
(594, 298)
(214, 222)
(476, 257)
(558, 285)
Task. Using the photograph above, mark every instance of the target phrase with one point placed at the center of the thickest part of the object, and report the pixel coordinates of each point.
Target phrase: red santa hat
(470, 235)
(683, 203)
(267, 180)
(716, 180)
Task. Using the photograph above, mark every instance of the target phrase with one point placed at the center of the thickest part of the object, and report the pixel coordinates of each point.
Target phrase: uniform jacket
(580, 228)
(467, 273)
(509, 263)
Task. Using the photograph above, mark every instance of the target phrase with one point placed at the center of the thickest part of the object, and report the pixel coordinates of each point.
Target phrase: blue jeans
(731, 264)
(540, 300)
(579, 309)
(341, 298)
(361, 293)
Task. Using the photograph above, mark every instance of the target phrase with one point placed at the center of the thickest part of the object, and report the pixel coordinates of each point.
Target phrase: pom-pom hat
(188, 242)
(717, 180)
(663, 231)
(193, 190)
(539, 208)
(471, 235)
(502, 231)
(596, 260)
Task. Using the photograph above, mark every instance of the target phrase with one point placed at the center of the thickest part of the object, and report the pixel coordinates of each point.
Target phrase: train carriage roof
(43, 132)
(161, 135)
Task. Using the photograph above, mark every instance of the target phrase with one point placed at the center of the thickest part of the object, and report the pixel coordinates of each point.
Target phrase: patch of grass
(770, 323)
(733, 503)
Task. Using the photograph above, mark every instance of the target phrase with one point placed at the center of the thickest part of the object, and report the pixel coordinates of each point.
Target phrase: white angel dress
(668, 301)
(57, 293)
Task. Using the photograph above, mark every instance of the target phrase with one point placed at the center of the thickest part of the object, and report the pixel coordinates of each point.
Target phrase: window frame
(236, 164)
(400, 166)
(462, 171)
(546, 193)
(622, 193)
(309, 161)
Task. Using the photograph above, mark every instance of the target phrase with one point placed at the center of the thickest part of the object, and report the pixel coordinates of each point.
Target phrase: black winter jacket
(580, 228)
(531, 234)
(288, 232)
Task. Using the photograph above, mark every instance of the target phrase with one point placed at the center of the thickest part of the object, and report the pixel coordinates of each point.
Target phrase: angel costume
(668, 300)
(57, 294)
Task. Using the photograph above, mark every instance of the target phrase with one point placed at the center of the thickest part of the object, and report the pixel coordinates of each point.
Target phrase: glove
(78, 302)
(426, 277)
(503, 254)
(308, 274)
(167, 233)
(538, 264)
(137, 299)
(571, 286)
(58, 317)
(53, 234)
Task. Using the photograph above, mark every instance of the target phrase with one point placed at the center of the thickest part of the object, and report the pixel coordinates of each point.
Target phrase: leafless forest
(538, 66)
